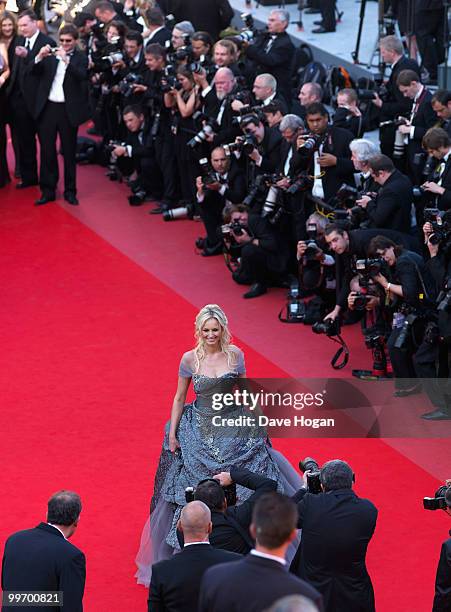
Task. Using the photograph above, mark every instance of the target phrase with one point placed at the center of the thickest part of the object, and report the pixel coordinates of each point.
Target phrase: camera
(247, 34)
(234, 226)
(113, 58)
(109, 148)
(301, 183)
(314, 477)
(295, 307)
(207, 173)
(229, 492)
(210, 128)
(244, 144)
(438, 502)
(312, 247)
(311, 143)
(369, 267)
(126, 85)
(361, 300)
(330, 327)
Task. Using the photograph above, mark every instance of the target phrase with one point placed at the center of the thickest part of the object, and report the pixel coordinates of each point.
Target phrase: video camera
(229, 492)
(438, 502)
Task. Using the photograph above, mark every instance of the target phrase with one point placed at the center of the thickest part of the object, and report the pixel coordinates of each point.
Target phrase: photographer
(392, 206)
(231, 524)
(180, 33)
(264, 256)
(438, 144)
(421, 118)
(309, 93)
(391, 101)
(442, 597)
(347, 245)
(348, 115)
(408, 288)
(224, 183)
(362, 151)
(441, 104)
(273, 52)
(136, 159)
(432, 360)
(327, 158)
(337, 527)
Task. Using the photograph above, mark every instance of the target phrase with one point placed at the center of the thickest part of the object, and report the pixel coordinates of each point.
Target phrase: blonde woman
(194, 448)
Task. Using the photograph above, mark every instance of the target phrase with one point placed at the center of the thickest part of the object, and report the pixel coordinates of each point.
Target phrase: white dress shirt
(29, 42)
(258, 553)
(57, 91)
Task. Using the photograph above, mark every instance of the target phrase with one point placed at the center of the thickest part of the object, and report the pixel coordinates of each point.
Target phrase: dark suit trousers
(53, 122)
(430, 30)
(211, 214)
(25, 130)
(328, 14)
(165, 157)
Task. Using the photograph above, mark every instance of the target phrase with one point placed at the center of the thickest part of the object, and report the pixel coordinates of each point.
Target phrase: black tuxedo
(61, 118)
(336, 529)
(277, 61)
(41, 559)
(213, 203)
(141, 158)
(210, 16)
(442, 598)
(392, 207)
(175, 582)
(227, 131)
(252, 584)
(22, 89)
(423, 118)
(336, 143)
(444, 201)
(160, 37)
(343, 118)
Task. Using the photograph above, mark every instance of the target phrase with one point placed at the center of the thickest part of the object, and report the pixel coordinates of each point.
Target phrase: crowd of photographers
(278, 170)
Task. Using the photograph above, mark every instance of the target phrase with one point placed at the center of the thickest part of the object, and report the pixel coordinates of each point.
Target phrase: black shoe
(44, 199)
(312, 11)
(210, 251)
(436, 415)
(71, 199)
(201, 243)
(321, 30)
(405, 392)
(159, 210)
(24, 185)
(255, 291)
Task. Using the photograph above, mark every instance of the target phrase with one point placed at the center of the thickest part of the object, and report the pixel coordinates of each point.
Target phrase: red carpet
(90, 349)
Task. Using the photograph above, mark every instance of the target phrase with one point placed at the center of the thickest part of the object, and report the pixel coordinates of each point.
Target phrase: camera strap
(343, 350)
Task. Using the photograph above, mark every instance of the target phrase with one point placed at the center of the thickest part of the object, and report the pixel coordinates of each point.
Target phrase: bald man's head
(195, 522)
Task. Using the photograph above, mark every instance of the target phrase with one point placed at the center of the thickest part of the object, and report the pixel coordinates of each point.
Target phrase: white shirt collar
(32, 40)
(137, 57)
(192, 543)
(56, 527)
(420, 91)
(446, 157)
(257, 553)
(269, 99)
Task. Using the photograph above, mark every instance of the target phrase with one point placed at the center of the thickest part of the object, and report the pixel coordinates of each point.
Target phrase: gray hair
(268, 80)
(320, 220)
(315, 89)
(336, 474)
(293, 603)
(282, 15)
(291, 122)
(185, 26)
(392, 43)
(363, 149)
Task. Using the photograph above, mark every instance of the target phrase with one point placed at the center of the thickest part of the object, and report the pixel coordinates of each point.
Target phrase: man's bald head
(195, 522)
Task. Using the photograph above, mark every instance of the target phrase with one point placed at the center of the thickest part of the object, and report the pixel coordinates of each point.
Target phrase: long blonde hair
(213, 311)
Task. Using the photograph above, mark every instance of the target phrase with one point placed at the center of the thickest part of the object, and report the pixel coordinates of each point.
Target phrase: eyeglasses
(66, 40)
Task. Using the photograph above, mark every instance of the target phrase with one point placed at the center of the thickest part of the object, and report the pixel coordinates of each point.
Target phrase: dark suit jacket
(277, 61)
(442, 599)
(75, 86)
(336, 529)
(393, 205)
(424, 119)
(236, 188)
(396, 103)
(175, 582)
(231, 529)
(161, 37)
(210, 16)
(252, 584)
(343, 118)
(41, 559)
(444, 201)
(21, 87)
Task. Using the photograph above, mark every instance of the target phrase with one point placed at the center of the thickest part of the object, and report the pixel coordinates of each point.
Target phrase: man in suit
(273, 52)
(210, 16)
(228, 588)
(421, 118)
(330, 160)
(393, 103)
(231, 523)
(392, 206)
(175, 583)
(441, 103)
(212, 196)
(442, 596)
(328, 21)
(22, 94)
(438, 144)
(42, 559)
(361, 152)
(61, 106)
(430, 28)
(158, 33)
(337, 527)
